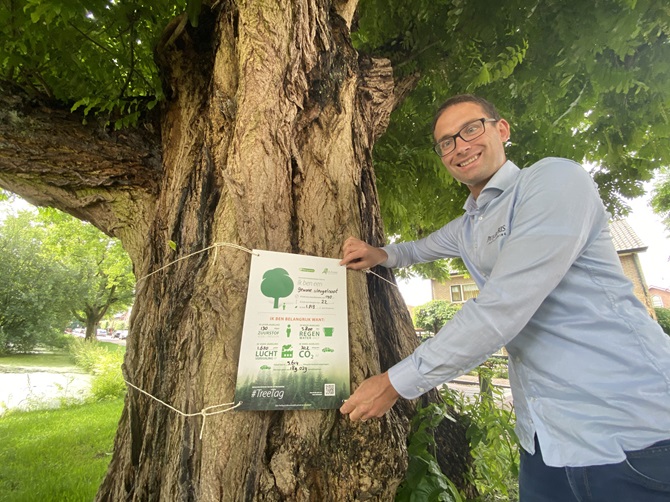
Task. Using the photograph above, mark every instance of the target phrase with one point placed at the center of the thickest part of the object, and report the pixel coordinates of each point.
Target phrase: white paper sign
(295, 340)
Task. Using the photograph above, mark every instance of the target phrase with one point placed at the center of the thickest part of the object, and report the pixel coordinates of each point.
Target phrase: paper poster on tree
(295, 341)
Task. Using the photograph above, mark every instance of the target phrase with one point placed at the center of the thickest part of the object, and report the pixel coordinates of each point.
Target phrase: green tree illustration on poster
(276, 284)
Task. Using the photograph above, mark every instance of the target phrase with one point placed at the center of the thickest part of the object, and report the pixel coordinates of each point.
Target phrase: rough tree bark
(266, 138)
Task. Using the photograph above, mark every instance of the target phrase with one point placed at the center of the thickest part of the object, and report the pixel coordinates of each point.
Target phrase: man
(589, 369)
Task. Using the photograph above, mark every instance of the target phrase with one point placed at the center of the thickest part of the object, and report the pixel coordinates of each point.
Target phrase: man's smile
(468, 161)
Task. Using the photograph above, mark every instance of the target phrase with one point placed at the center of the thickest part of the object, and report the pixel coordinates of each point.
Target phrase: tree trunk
(91, 329)
(267, 134)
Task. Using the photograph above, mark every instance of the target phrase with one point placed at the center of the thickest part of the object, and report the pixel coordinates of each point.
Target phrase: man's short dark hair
(487, 106)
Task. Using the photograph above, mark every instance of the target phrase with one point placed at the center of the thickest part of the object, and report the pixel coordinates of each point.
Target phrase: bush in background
(36, 290)
(434, 314)
(663, 316)
(104, 362)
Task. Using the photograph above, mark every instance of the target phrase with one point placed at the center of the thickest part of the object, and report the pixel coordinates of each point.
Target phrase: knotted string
(204, 413)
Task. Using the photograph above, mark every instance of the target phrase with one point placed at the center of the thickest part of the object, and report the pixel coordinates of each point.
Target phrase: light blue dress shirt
(589, 368)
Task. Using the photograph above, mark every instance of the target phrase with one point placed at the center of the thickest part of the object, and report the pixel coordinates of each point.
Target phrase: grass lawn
(54, 360)
(57, 455)
(39, 359)
(113, 347)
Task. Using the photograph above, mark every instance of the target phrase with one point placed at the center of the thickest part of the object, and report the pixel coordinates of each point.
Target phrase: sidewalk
(469, 385)
(474, 380)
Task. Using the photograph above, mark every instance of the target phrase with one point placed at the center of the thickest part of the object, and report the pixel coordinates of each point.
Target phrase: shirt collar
(501, 181)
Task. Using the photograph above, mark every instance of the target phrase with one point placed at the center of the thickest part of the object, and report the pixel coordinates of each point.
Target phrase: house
(460, 287)
(628, 245)
(660, 297)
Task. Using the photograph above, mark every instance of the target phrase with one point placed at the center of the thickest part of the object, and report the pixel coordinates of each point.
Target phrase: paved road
(470, 387)
(36, 387)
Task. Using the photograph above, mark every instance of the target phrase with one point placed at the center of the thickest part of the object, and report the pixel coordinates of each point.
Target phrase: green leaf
(193, 11)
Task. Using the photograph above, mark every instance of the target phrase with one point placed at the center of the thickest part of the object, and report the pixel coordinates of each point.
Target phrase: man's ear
(503, 129)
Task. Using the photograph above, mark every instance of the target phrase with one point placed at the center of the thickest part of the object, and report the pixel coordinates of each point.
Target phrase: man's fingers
(352, 257)
(347, 407)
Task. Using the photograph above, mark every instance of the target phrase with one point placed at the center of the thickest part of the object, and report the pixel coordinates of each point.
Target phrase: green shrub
(105, 365)
(493, 445)
(424, 479)
(434, 314)
(493, 442)
(663, 316)
(108, 382)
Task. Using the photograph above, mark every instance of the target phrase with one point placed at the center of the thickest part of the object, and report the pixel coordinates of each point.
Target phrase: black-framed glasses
(467, 133)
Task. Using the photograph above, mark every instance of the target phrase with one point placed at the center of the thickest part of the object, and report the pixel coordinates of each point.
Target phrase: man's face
(473, 163)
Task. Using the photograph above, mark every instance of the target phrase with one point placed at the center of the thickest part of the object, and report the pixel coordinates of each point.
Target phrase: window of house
(463, 292)
(657, 301)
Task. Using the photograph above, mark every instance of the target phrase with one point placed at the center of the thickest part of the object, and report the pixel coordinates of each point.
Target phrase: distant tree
(34, 291)
(276, 284)
(434, 314)
(98, 265)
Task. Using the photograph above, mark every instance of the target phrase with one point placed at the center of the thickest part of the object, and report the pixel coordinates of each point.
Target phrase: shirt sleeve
(442, 243)
(556, 214)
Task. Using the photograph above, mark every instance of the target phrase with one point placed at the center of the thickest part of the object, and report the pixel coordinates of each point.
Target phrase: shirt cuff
(407, 381)
(392, 257)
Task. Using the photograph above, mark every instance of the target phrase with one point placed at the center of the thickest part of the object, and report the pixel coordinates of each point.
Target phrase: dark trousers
(643, 477)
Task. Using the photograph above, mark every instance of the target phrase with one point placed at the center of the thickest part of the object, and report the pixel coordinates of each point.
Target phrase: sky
(648, 227)
(644, 222)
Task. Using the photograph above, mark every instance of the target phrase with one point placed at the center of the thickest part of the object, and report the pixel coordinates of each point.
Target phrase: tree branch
(377, 93)
(51, 158)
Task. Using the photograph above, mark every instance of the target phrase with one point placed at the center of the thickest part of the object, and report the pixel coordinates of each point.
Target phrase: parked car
(121, 334)
(101, 332)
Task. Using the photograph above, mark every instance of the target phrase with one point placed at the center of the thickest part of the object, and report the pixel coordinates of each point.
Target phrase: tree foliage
(580, 80)
(97, 55)
(434, 314)
(57, 268)
(586, 81)
(34, 291)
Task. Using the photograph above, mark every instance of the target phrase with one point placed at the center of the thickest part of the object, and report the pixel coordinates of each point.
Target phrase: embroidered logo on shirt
(501, 232)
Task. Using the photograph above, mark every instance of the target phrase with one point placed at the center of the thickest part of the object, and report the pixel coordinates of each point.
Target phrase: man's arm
(376, 395)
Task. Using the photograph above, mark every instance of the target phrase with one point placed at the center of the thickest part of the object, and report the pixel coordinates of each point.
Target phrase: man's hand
(359, 255)
(374, 397)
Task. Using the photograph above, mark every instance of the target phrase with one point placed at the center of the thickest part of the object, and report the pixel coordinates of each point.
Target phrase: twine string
(214, 246)
(204, 413)
(368, 271)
